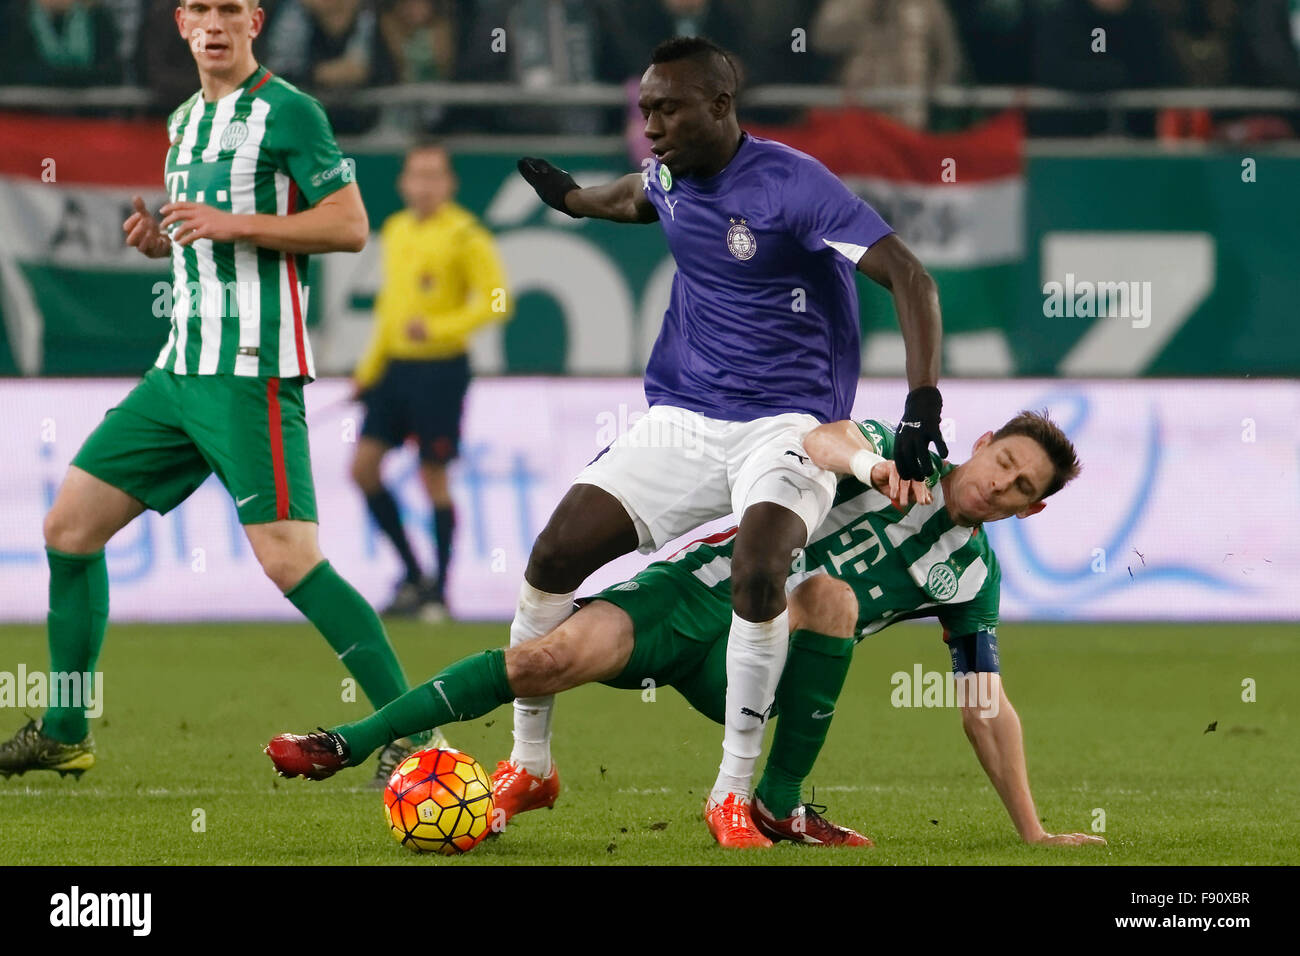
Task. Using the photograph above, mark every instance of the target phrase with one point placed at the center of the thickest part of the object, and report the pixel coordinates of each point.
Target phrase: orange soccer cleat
(806, 825)
(731, 824)
(515, 790)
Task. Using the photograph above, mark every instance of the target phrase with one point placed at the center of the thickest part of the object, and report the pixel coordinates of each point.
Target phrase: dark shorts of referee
(420, 399)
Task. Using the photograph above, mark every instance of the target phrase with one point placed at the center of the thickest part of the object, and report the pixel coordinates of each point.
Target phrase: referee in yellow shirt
(442, 280)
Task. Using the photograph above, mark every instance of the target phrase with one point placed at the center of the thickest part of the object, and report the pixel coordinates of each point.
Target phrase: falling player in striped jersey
(876, 559)
(257, 183)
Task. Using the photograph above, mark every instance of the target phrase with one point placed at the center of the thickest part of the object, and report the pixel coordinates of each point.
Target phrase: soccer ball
(438, 800)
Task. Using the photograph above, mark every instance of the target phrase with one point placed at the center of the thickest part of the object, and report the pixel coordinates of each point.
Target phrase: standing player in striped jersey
(256, 183)
(876, 559)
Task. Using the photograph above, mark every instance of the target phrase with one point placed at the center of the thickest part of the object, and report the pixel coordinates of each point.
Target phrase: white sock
(537, 614)
(755, 655)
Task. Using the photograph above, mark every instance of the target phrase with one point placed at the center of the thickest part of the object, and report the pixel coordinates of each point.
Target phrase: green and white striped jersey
(238, 309)
(900, 564)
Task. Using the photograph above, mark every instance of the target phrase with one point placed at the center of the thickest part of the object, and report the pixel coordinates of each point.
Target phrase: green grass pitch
(1114, 716)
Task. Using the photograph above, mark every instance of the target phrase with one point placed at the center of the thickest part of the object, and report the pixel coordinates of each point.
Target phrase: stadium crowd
(332, 46)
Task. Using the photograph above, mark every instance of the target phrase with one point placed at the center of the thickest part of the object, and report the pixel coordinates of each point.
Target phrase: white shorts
(676, 469)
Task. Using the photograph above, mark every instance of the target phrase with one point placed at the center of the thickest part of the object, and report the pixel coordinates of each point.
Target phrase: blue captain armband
(976, 652)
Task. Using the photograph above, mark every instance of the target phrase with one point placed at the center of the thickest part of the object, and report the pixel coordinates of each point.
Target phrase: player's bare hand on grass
(886, 479)
(1066, 839)
(143, 231)
(196, 221)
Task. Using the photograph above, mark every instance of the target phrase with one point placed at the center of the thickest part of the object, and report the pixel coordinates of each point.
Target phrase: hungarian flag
(74, 298)
(957, 200)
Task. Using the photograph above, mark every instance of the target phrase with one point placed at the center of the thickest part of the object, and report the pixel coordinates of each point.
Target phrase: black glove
(919, 427)
(551, 182)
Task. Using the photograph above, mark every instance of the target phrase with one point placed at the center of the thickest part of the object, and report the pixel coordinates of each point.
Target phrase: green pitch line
(1114, 717)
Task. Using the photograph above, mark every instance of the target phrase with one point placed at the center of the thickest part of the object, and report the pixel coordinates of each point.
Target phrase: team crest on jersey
(740, 241)
(665, 178)
(234, 135)
(941, 582)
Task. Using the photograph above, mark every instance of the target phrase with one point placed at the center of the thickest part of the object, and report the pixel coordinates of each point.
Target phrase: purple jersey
(763, 317)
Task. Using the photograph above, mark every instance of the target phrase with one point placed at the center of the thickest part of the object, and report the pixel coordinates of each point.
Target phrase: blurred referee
(442, 280)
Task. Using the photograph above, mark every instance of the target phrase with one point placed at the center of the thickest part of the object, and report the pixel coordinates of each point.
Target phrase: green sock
(76, 624)
(353, 629)
(810, 684)
(469, 688)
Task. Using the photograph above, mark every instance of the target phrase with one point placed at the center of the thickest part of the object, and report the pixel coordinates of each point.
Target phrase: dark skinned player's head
(688, 99)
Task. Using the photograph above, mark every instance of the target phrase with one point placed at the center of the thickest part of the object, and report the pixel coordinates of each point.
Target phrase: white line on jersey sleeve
(848, 250)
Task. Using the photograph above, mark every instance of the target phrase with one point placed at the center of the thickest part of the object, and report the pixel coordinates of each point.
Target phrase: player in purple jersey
(759, 345)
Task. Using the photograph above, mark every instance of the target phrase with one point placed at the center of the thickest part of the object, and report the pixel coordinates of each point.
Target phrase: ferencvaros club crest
(941, 582)
(233, 136)
(740, 241)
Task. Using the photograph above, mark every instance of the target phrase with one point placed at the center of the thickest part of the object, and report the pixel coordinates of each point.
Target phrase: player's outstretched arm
(891, 264)
(338, 223)
(993, 728)
(916, 300)
(842, 448)
(622, 200)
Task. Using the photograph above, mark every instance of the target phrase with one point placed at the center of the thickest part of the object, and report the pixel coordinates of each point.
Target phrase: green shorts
(680, 632)
(172, 431)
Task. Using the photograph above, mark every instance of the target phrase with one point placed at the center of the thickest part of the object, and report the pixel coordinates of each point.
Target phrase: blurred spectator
(1202, 38)
(891, 43)
(421, 39)
(58, 43)
(659, 20)
(127, 15)
(1265, 55)
(777, 54)
(545, 44)
(1136, 55)
(776, 45)
(1270, 32)
(164, 63)
(324, 45)
(327, 44)
(996, 38)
